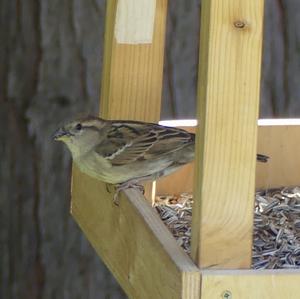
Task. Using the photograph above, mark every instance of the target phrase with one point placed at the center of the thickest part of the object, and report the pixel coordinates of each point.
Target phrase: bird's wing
(130, 141)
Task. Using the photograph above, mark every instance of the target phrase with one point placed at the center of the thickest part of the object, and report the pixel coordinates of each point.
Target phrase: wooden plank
(230, 62)
(132, 74)
(280, 142)
(130, 238)
(133, 242)
(275, 284)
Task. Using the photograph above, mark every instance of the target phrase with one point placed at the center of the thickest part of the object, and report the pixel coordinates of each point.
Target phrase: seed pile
(276, 240)
(276, 235)
(176, 213)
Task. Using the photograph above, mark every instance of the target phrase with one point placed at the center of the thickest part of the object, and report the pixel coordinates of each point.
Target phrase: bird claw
(124, 186)
(140, 188)
(116, 199)
(107, 188)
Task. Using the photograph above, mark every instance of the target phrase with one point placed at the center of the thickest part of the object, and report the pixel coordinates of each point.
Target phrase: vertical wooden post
(133, 72)
(229, 84)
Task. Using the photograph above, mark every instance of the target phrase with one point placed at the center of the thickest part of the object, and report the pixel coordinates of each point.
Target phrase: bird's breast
(95, 166)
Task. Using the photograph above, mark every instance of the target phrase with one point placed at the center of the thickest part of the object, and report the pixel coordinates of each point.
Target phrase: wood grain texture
(133, 242)
(230, 61)
(251, 284)
(280, 143)
(132, 74)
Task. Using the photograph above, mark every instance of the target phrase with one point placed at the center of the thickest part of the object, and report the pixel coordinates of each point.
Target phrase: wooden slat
(280, 142)
(132, 74)
(250, 284)
(131, 239)
(230, 61)
(133, 242)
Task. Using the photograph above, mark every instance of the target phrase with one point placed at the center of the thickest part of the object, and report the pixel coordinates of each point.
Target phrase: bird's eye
(78, 127)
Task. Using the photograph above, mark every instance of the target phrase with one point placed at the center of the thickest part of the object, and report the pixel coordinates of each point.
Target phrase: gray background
(51, 53)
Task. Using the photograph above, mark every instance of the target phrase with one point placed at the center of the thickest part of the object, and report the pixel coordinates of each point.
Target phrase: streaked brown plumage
(122, 152)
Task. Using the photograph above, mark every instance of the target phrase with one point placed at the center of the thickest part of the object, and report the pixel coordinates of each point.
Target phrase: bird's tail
(262, 158)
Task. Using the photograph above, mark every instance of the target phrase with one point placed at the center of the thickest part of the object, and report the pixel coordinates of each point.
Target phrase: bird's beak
(60, 135)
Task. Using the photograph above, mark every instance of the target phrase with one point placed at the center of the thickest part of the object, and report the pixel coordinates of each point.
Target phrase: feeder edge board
(228, 100)
(133, 242)
(250, 284)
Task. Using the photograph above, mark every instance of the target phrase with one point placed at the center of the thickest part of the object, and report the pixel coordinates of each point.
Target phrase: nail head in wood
(240, 24)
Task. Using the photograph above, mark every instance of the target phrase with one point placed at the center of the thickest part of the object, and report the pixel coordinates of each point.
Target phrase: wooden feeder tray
(131, 239)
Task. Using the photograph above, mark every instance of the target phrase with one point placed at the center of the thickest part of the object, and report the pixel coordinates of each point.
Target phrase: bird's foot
(124, 186)
(108, 187)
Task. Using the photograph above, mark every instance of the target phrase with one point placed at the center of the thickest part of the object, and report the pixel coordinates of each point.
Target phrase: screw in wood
(226, 295)
(239, 24)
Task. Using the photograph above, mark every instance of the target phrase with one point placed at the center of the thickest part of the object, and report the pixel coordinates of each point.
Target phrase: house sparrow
(124, 153)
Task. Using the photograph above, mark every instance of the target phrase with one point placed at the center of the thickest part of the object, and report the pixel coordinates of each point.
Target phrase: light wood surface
(275, 284)
(135, 21)
(230, 62)
(132, 74)
(280, 142)
(133, 242)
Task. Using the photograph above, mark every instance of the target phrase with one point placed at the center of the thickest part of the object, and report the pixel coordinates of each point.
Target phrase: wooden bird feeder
(131, 238)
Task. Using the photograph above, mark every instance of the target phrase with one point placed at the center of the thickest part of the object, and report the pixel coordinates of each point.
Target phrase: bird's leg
(116, 200)
(127, 185)
(108, 187)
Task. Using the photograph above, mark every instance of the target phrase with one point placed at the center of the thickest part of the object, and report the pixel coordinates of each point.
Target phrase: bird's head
(81, 135)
